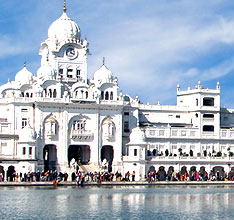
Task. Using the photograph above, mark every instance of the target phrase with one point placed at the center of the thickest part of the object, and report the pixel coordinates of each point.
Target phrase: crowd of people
(191, 176)
(35, 176)
(81, 177)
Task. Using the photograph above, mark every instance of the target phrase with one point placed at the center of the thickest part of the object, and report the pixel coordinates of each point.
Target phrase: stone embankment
(136, 183)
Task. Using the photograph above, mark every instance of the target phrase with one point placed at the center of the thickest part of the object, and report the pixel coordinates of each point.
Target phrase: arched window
(27, 94)
(51, 127)
(78, 125)
(45, 93)
(107, 96)
(50, 93)
(111, 96)
(31, 95)
(54, 93)
(102, 95)
(86, 94)
(22, 94)
(108, 128)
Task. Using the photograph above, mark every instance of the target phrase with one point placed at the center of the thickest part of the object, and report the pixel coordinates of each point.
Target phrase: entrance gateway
(50, 157)
(81, 153)
(107, 153)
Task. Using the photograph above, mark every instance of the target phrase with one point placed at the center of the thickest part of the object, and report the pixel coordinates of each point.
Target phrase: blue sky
(150, 45)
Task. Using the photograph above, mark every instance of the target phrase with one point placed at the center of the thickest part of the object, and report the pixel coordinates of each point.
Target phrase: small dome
(137, 137)
(24, 76)
(27, 134)
(45, 72)
(103, 75)
(64, 28)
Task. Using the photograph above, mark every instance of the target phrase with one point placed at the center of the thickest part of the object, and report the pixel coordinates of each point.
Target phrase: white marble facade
(58, 114)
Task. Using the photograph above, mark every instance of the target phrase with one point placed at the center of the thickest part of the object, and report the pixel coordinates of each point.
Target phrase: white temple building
(57, 114)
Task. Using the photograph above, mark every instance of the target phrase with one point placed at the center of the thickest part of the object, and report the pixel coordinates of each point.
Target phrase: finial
(64, 6)
(218, 85)
(24, 63)
(103, 61)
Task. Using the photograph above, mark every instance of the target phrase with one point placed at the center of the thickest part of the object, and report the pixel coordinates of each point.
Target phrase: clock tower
(64, 53)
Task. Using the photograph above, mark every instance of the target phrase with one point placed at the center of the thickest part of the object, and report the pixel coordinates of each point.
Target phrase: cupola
(64, 28)
(24, 76)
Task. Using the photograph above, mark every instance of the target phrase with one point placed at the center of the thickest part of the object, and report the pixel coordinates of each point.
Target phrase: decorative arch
(193, 173)
(111, 95)
(161, 173)
(106, 95)
(2, 171)
(183, 170)
(102, 95)
(10, 173)
(108, 128)
(81, 153)
(152, 169)
(107, 153)
(78, 123)
(219, 172)
(50, 157)
(53, 89)
(51, 127)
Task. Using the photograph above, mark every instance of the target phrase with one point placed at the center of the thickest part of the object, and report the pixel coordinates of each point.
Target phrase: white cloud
(151, 47)
(9, 47)
(151, 53)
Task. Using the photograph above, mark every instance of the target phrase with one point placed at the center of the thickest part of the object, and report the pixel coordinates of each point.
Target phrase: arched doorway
(170, 172)
(107, 153)
(202, 171)
(231, 174)
(10, 172)
(2, 172)
(161, 173)
(219, 172)
(183, 170)
(193, 173)
(152, 169)
(50, 157)
(81, 153)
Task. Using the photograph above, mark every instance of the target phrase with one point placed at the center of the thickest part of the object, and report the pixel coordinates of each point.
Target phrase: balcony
(172, 132)
(226, 133)
(211, 159)
(82, 135)
(6, 131)
(188, 133)
(208, 119)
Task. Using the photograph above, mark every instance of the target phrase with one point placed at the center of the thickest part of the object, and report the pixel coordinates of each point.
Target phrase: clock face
(71, 52)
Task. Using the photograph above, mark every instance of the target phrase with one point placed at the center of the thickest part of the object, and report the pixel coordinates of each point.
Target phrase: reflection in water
(118, 203)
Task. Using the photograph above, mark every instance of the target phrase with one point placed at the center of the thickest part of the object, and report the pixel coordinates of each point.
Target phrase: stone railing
(82, 135)
(188, 158)
(188, 133)
(6, 129)
(172, 132)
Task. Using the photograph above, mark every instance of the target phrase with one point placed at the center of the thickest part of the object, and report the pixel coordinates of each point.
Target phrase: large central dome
(64, 28)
